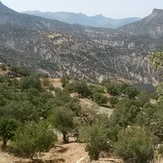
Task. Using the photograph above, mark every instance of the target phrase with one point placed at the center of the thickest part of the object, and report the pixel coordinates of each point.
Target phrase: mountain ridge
(150, 25)
(86, 53)
(4, 9)
(82, 19)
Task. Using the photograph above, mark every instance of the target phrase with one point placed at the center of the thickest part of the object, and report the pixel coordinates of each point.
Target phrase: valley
(88, 53)
(78, 92)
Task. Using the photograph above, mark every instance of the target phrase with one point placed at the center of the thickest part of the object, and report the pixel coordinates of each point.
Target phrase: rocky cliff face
(54, 48)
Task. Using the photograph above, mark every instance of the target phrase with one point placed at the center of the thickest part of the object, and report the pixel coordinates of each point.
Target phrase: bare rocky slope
(53, 47)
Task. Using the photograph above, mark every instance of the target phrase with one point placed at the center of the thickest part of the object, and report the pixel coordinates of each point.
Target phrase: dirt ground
(55, 82)
(67, 153)
(64, 153)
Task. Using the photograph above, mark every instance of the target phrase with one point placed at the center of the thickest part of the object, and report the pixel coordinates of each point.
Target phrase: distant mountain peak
(157, 10)
(82, 19)
(151, 25)
(156, 16)
(99, 15)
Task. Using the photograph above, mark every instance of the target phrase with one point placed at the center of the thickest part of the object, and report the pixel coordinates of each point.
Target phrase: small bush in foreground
(135, 145)
(96, 139)
(33, 137)
(7, 130)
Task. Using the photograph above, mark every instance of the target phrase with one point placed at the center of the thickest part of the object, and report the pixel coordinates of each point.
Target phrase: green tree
(143, 98)
(74, 105)
(34, 137)
(123, 88)
(7, 130)
(31, 81)
(61, 98)
(99, 98)
(112, 89)
(23, 71)
(64, 80)
(45, 82)
(89, 116)
(135, 145)
(156, 124)
(80, 87)
(21, 111)
(62, 119)
(152, 118)
(95, 137)
(131, 92)
(113, 100)
(125, 112)
(145, 116)
(95, 88)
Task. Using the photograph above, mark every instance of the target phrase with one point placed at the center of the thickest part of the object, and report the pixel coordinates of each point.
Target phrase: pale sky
(108, 8)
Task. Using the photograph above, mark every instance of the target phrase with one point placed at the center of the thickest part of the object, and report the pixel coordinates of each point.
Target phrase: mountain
(151, 25)
(5, 9)
(10, 17)
(87, 53)
(82, 19)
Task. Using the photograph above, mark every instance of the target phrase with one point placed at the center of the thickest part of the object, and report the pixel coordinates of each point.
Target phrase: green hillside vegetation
(30, 110)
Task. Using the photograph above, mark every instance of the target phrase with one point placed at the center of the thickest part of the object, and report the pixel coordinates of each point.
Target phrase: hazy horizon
(108, 8)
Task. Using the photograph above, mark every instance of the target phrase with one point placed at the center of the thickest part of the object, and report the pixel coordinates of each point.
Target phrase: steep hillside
(54, 48)
(5, 9)
(151, 25)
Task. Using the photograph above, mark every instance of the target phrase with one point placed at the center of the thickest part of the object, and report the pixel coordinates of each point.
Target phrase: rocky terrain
(56, 48)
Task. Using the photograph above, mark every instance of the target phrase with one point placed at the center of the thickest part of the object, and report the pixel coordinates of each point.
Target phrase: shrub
(33, 137)
(62, 119)
(135, 145)
(99, 98)
(31, 81)
(80, 87)
(65, 80)
(95, 88)
(113, 100)
(125, 112)
(96, 139)
(7, 130)
(112, 89)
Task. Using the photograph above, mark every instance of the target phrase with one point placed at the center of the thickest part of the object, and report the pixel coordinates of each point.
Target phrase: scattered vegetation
(31, 108)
